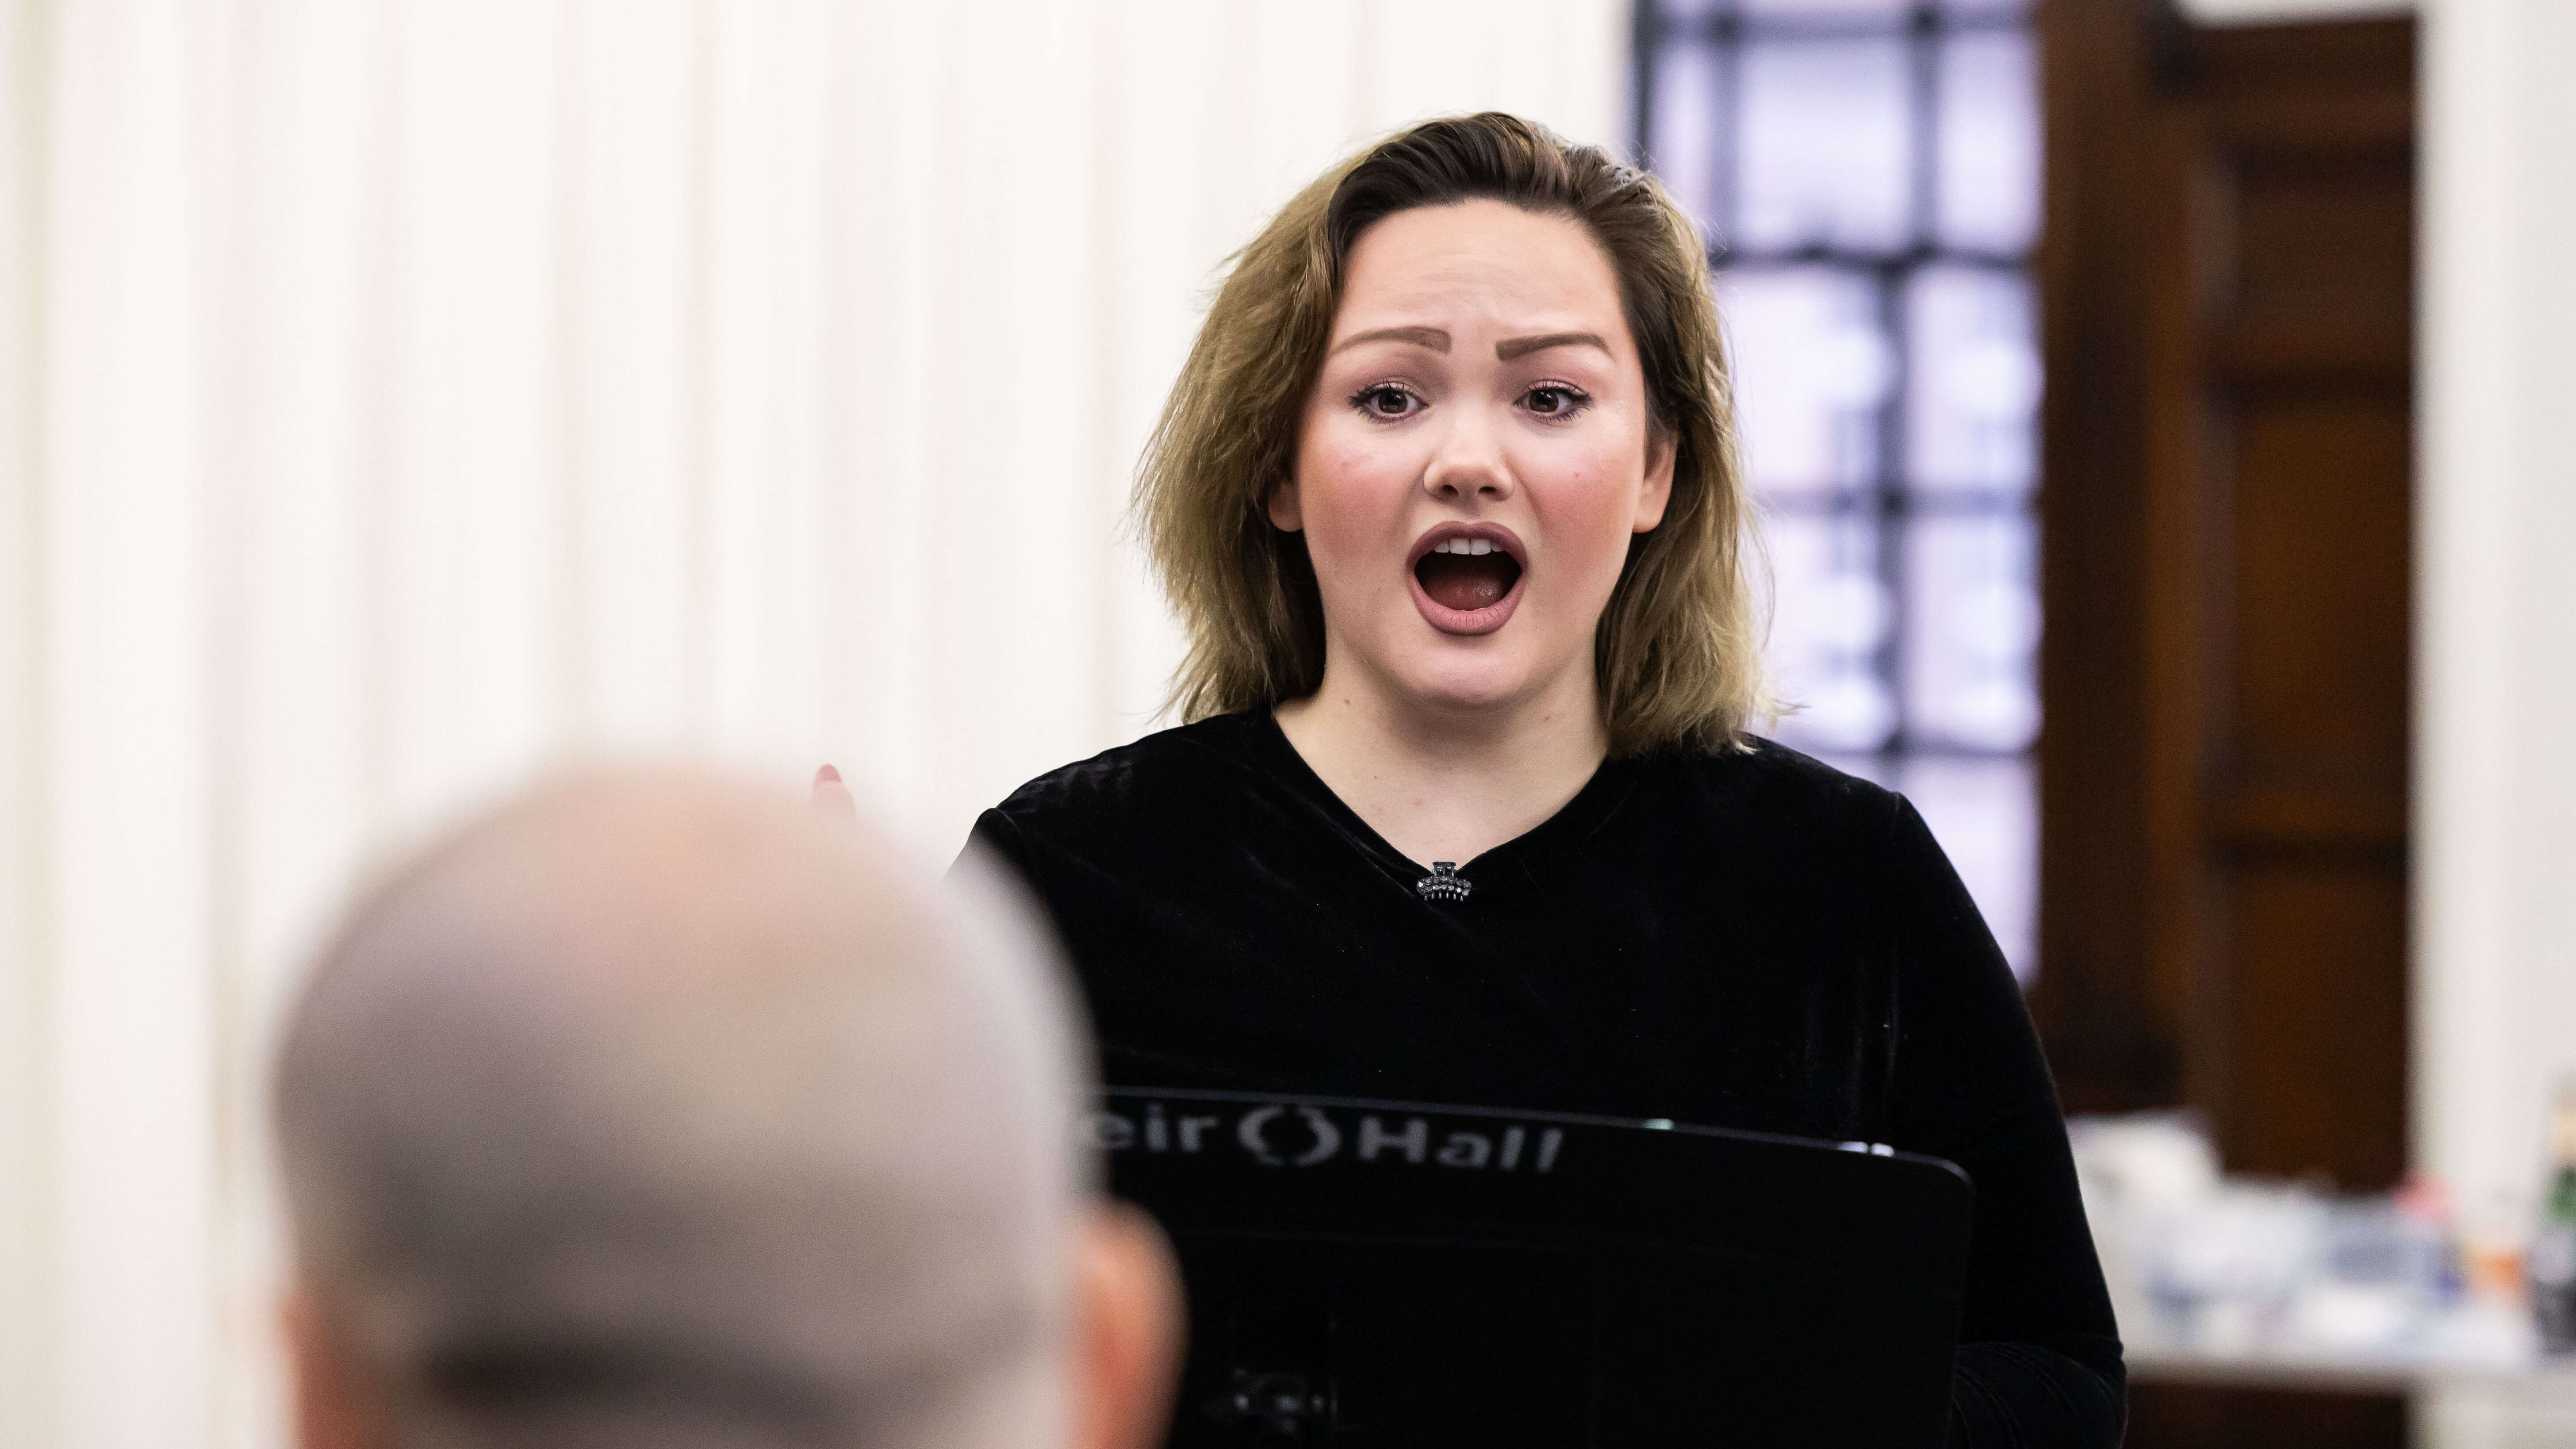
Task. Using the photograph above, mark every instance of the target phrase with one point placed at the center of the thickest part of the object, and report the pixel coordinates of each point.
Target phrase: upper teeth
(1463, 545)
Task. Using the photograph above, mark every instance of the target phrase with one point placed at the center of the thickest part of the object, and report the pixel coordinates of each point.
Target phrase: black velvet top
(1752, 940)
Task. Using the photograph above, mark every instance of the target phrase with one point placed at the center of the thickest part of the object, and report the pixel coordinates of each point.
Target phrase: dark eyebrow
(1511, 347)
(1431, 337)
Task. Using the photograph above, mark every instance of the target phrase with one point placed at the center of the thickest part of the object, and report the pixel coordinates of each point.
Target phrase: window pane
(1985, 813)
(1825, 152)
(1984, 9)
(1972, 631)
(1988, 194)
(1829, 619)
(1830, 9)
(1689, 129)
(1973, 390)
(1812, 368)
(1873, 169)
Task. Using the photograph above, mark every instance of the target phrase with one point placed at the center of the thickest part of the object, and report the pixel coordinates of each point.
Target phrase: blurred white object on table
(2217, 1277)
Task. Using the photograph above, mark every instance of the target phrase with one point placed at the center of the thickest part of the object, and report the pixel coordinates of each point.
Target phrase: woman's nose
(1469, 462)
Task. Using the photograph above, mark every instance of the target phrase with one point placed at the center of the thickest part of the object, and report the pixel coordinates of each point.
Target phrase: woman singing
(1466, 809)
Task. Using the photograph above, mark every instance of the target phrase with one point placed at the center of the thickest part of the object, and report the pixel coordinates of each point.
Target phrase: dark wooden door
(2228, 281)
(2228, 285)
(2278, 561)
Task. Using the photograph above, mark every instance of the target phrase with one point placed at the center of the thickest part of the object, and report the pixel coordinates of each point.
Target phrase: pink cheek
(1368, 483)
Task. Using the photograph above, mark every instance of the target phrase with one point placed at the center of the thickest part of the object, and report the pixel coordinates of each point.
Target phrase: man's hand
(832, 798)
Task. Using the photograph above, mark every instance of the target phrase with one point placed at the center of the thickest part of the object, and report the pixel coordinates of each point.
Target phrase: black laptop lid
(1384, 1273)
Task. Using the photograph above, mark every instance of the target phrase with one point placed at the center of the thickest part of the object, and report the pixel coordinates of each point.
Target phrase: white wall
(2496, 640)
(2495, 827)
(396, 394)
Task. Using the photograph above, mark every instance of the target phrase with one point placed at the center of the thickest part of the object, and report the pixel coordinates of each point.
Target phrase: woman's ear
(1286, 514)
(1656, 492)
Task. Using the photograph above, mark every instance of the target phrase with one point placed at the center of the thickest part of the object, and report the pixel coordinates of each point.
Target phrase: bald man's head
(650, 1109)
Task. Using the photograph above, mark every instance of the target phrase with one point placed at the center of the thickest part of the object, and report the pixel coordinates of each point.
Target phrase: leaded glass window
(1867, 172)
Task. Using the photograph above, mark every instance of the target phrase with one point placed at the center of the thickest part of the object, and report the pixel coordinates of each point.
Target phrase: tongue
(1467, 582)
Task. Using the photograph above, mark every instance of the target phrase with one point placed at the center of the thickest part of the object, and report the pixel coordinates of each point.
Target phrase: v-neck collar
(1510, 865)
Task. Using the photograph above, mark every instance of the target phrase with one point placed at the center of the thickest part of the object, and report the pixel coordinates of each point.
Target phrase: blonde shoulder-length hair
(1677, 653)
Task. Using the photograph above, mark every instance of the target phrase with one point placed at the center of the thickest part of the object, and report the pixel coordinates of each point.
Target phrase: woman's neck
(1442, 784)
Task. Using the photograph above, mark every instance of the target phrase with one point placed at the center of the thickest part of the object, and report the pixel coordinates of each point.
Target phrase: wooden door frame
(2115, 1038)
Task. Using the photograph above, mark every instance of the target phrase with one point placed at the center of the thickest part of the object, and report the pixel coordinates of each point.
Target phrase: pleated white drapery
(396, 395)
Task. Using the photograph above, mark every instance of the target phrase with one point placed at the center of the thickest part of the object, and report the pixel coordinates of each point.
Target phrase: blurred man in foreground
(651, 1111)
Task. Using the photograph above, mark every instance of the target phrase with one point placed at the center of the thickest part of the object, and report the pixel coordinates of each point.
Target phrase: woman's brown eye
(1548, 400)
(1386, 402)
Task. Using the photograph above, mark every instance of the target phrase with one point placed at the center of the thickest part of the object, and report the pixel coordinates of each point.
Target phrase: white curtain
(396, 395)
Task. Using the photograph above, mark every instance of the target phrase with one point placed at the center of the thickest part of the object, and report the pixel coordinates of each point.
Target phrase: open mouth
(1467, 574)
(1467, 577)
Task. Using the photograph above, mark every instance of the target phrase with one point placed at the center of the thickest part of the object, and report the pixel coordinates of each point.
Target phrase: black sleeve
(2039, 1362)
(996, 836)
